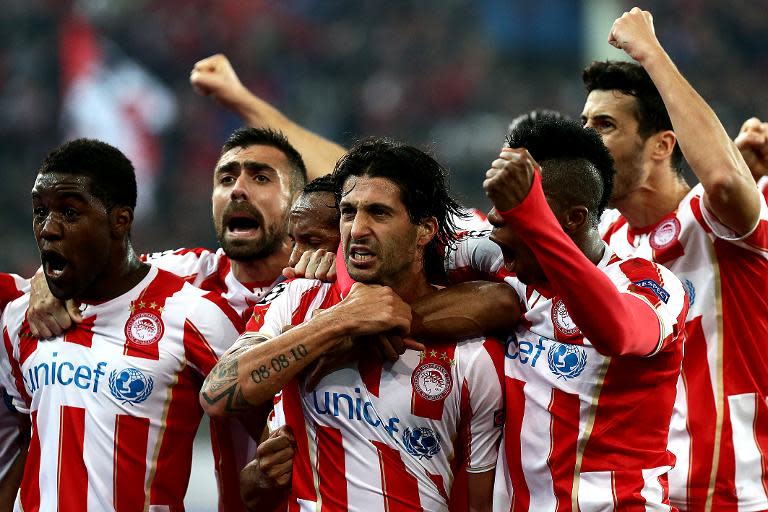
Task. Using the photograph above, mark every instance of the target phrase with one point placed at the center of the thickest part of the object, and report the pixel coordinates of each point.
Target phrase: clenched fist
(214, 76)
(509, 179)
(634, 34)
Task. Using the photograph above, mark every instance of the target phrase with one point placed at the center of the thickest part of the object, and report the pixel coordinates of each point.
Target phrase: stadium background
(447, 75)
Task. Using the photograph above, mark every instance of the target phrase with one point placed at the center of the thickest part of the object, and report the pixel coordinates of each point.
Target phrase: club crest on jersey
(566, 361)
(130, 385)
(421, 442)
(562, 321)
(144, 328)
(665, 233)
(431, 381)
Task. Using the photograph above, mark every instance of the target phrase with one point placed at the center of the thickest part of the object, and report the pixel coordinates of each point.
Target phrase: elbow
(209, 404)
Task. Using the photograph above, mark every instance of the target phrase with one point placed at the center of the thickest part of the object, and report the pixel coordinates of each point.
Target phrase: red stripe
(306, 300)
(227, 472)
(440, 484)
(564, 435)
(515, 397)
(30, 483)
(440, 354)
(759, 237)
(236, 318)
(174, 459)
(8, 289)
(702, 415)
(130, 462)
(370, 367)
(16, 369)
(698, 215)
(331, 469)
(152, 300)
(27, 342)
(197, 350)
(302, 486)
(72, 472)
(82, 333)
(627, 486)
(400, 488)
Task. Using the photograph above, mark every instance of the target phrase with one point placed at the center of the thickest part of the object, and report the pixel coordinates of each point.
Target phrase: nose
(239, 189)
(50, 228)
(360, 226)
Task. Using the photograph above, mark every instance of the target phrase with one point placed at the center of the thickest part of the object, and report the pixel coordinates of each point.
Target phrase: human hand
(752, 142)
(47, 315)
(372, 309)
(214, 76)
(509, 179)
(272, 466)
(633, 32)
(317, 264)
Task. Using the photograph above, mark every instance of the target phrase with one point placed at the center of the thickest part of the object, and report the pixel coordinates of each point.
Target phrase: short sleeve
(474, 256)
(483, 386)
(756, 240)
(192, 265)
(210, 329)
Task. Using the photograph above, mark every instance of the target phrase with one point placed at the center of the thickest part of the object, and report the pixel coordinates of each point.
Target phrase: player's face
(378, 238)
(314, 223)
(251, 197)
(612, 115)
(518, 257)
(73, 233)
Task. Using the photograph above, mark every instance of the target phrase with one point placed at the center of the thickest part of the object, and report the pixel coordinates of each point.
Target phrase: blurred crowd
(447, 75)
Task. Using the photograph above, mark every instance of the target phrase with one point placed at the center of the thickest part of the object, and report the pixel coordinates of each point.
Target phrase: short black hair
(322, 184)
(423, 188)
(530, 118)
(576, 167)
(249, 136)
(632, 79)
(111, 175)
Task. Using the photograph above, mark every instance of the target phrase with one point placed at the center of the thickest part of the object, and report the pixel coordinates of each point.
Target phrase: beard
(268, 242)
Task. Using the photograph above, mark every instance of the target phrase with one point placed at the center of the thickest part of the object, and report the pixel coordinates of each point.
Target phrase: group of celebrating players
(362, 342)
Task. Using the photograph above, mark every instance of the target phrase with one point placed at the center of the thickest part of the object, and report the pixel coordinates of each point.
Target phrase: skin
(313, 224)
(253, 183)
(71, 224)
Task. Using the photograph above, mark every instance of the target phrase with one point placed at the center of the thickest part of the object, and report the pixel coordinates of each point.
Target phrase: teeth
(361, 256)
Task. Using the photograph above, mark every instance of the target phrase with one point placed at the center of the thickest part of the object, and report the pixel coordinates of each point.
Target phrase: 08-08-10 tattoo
(222, 382)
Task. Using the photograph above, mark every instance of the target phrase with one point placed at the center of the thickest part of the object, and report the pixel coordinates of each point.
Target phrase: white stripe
(748, 460)
(595, 491)
(680, 446)
(652, 490)
(535, 449)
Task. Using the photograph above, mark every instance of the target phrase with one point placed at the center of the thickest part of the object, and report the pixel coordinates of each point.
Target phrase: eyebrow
(78, 196)
(250, 165)
(599, 117)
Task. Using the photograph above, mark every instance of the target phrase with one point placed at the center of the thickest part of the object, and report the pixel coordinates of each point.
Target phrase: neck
(124, 273)
(262, 269)
(653, 200)
(413, 286)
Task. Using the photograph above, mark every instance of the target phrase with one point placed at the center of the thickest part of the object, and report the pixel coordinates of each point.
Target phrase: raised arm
(730, 191)
(215, 77)
(257, 366)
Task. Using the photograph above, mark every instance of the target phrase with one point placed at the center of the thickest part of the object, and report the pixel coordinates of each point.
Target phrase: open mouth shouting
(55, 265)
(361, 256)
(242, 223)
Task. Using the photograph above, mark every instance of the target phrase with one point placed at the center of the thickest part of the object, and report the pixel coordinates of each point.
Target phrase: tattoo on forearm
(222, 384)
(279, 363)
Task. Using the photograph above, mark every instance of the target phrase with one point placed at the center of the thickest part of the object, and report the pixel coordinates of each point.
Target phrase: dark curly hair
(321, 184)
(632, 79)
(111, 175)
(576, 167)
(249, 136)
(422, 183)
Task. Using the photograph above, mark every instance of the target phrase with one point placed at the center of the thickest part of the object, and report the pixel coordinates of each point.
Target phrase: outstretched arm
(730, 191)
(215, 77)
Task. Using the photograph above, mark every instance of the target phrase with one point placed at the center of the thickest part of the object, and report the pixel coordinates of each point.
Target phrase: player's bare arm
(257, 366)
(9, 485)
(214, 76)
(480, 491)
(729, 187)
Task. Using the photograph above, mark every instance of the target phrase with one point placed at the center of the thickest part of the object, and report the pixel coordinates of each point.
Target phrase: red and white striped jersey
(114, 401)
(474, 256)
(719, 431)
(586, 431)
(762, 186)
(11, 287)
(378, 436)
(232, 446)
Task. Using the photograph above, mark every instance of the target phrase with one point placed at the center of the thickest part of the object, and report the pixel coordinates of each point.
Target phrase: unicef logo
(691, 291)
(566, 361)
(421, 442)
(130, 385)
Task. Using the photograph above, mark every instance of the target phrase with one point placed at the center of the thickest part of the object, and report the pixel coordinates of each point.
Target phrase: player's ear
(121, 219)
(426, 231)
(574, 219)
(664, 144)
